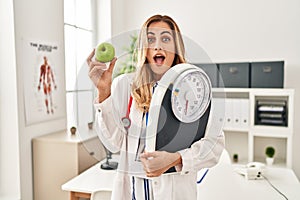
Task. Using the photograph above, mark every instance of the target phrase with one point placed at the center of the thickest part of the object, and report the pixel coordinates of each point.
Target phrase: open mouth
(159, 59)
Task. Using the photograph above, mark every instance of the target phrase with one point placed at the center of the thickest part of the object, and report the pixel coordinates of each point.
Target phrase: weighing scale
(179, 109)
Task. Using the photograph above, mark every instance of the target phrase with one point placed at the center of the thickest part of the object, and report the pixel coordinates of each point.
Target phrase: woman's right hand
(101, 76)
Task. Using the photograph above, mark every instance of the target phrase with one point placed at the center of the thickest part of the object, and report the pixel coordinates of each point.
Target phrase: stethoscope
(127, 123)
(126, 120)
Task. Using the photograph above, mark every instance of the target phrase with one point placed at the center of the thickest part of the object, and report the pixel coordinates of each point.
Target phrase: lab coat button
(186, 172)
(99, 110)
(155, 182)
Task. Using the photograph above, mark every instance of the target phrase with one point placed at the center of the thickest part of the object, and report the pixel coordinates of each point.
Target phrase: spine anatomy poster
(43, 75)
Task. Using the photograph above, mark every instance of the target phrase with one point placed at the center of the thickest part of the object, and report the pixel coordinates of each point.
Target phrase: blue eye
(151, 40)
(166, 39)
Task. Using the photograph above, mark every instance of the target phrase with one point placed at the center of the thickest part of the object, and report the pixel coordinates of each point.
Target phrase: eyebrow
(151, 33)
(168, 32)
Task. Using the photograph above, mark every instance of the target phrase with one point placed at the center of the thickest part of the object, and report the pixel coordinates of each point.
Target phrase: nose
(157, 46)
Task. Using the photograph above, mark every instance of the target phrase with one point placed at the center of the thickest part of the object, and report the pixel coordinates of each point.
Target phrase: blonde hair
(144, 79)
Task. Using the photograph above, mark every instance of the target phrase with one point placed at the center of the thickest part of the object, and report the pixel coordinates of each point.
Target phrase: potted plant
(270, 151)
(130, 57)
(235, 157)
(73, 130)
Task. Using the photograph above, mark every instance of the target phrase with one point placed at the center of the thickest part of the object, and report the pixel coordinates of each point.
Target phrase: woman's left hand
(157, 162)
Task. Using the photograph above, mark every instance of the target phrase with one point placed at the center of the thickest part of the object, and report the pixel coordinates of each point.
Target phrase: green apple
(105, 52)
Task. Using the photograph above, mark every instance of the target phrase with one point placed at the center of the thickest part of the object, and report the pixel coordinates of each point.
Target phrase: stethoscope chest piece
(126, 122)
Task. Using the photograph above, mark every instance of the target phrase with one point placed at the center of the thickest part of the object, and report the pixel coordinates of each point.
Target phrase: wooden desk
(91, 180)
(221, 182)
(77, 195)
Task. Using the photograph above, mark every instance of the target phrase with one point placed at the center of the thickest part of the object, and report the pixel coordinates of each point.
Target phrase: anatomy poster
(43, 75)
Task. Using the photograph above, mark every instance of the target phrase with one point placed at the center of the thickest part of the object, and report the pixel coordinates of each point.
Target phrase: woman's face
(161, 48)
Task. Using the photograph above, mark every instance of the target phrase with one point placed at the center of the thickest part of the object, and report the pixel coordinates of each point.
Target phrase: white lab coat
(181, 185)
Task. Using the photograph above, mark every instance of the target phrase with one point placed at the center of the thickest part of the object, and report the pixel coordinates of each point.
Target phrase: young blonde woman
(160, 46)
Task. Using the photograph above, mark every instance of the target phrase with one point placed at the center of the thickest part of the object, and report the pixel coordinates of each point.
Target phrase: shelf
(240, 162)
(274, 134)
(278, 162)
(237, 144)
(250, 140)
(245, 130)
(269, 127)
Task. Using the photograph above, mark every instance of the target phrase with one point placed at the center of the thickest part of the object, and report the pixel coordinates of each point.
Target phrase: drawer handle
(267, 69)
(233, 70)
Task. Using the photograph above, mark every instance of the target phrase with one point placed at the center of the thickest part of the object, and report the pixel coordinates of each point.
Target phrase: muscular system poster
(43, 75)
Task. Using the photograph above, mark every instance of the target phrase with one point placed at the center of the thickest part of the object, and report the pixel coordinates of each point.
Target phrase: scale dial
(191, 95)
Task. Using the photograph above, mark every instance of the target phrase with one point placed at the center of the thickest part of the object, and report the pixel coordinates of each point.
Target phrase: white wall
(9, 144)
(40, 20)
(228, 31)
(231, 31)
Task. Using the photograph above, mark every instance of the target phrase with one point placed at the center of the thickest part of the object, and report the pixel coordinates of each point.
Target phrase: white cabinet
(60, 156)
(248, 138)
